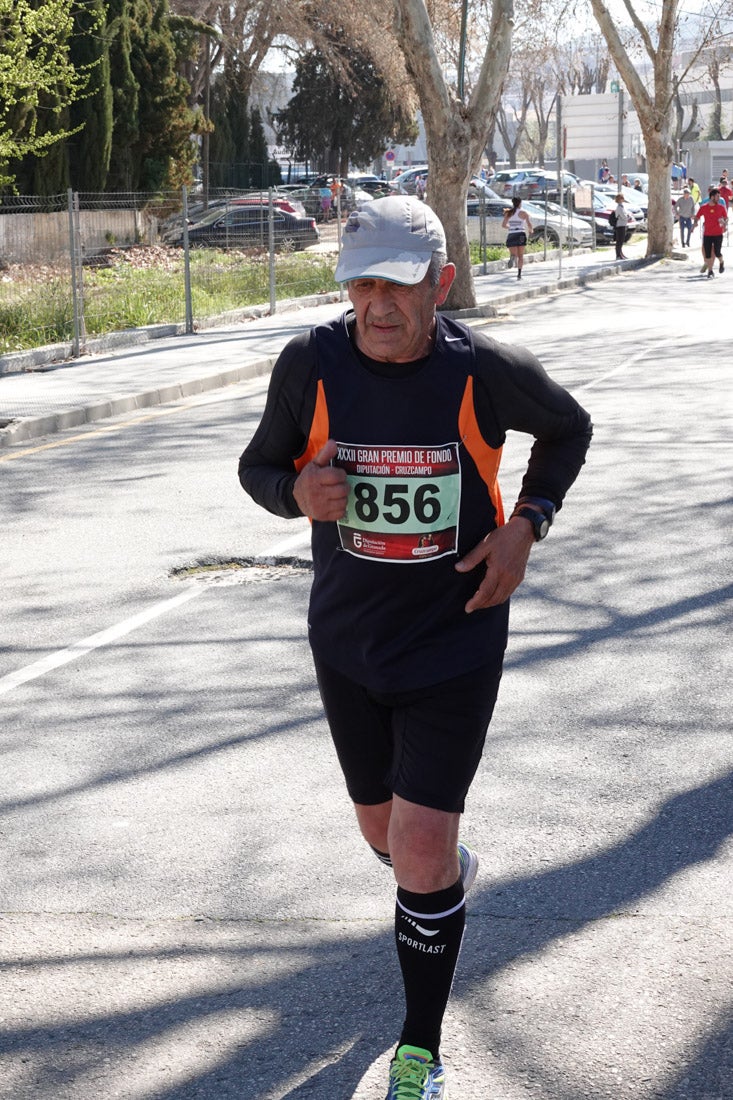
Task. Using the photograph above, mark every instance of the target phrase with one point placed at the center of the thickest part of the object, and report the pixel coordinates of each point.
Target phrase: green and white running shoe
(413, 1075)
(468, 860)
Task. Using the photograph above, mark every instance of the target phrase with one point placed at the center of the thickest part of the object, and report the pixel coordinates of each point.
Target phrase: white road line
(630, 362)
(293, 542)
(94, 641)
(111, 634)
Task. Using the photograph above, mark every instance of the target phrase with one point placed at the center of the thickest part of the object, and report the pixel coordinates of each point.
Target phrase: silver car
(555, 228)
(406, 182)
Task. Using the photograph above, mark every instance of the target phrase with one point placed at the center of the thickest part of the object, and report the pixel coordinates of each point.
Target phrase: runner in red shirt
(726, 192)
(714, 214)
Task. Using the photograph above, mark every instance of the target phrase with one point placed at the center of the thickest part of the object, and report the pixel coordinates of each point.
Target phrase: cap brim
(407, 268)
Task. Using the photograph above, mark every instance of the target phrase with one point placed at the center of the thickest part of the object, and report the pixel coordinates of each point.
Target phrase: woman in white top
(519, 225)
(619, 233)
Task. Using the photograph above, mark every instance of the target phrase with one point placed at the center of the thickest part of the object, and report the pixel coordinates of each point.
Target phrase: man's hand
(505, 552)
(320, 489)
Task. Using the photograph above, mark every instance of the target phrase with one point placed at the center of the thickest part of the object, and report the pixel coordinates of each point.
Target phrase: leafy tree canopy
(341, 111)
(35, 70)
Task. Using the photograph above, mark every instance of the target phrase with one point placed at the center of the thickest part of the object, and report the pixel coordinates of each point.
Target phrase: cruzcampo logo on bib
(403, 501)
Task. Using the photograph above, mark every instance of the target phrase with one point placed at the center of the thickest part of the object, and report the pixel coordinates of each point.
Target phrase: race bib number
(403, 501)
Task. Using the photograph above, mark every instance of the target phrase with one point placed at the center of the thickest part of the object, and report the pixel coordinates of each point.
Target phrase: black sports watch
(541, 520)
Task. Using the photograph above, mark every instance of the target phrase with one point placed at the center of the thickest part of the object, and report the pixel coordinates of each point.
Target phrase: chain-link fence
(79, 265)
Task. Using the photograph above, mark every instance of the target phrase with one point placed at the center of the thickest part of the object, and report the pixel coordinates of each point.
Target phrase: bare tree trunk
(520, 123)
(654, 109)
(714, 130)
(456, 131)
(448, 180)
(660, 232)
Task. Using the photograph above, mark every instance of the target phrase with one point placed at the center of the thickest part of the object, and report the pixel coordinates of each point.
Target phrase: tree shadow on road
(313, 1031)
(337, 1006)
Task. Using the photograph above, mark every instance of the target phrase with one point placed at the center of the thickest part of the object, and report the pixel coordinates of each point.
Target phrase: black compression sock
(429, 932)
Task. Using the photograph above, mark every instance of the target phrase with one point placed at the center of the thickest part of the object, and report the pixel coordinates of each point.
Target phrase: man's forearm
(269, 486)
(554, 465)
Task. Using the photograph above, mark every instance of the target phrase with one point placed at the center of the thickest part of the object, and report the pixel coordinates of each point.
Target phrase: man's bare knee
(423, 845)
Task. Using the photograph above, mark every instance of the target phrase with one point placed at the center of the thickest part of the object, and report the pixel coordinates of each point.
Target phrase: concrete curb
(494, 309)
(18, 362)
(34, 426)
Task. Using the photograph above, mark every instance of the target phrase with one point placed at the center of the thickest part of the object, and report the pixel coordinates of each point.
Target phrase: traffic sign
(389, 155)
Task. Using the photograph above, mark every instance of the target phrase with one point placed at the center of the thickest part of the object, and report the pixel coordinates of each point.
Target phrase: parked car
(375, 187)
(554, 209)
(554, 228)
(406, 182)
(636, 203)
(246, 226)
(479, 186)
(288, 202)
(643, 179)
(366, 181)
(603, 205)
(558, 226)
(171, 229)
(528, 183)
(313, 201)
(515, 181)
(476, 187)
(310, 198)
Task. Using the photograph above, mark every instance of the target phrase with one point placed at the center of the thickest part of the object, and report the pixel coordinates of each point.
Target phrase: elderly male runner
(386, 428)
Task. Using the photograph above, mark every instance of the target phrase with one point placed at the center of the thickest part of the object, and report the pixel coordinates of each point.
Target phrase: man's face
(395, 323)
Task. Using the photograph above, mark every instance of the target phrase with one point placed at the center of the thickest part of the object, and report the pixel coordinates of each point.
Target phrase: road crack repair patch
(242, 570)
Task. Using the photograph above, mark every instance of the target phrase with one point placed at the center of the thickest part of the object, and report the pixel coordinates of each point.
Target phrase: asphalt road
(187, 910)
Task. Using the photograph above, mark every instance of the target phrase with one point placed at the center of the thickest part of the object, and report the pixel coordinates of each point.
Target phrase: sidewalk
(115, 380)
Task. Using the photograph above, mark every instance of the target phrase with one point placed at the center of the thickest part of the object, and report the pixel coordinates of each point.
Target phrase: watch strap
(540, 522)
(543, 503)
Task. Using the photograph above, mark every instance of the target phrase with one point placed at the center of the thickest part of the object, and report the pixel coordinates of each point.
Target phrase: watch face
(542, 528)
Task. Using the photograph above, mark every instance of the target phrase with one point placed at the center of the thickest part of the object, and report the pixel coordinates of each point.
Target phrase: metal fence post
(544, 233)
(271, 250)
(571, 242)
(72, 260)
(338, 238)
(187, 266)
(560, 177)
(77, 283)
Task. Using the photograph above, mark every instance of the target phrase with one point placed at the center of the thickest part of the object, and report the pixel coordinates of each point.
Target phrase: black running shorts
(712, 244)
(515, 240)
(423, 745)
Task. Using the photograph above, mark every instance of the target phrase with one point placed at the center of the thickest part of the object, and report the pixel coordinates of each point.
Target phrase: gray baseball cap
(391, 238)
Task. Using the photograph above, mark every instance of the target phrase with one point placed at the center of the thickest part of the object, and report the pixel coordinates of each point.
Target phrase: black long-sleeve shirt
(513, 393)
(394, 623)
